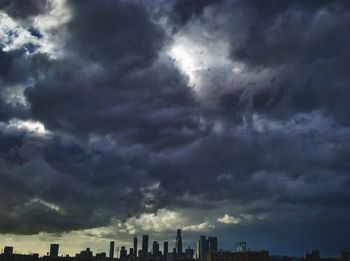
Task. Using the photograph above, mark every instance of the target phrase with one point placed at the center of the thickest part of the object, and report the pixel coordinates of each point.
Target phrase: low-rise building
(238, 256)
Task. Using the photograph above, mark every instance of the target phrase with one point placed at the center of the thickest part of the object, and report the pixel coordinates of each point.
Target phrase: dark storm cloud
(121, 119)
(12, 71)
(117, 34)
(114, 85)
(283, 32)
(121, 85)
(298, 42)
(24, 8)
(183, 10)
(250, 167)
(9, 63)
(64, 182)
(141, 103)
(301, 221)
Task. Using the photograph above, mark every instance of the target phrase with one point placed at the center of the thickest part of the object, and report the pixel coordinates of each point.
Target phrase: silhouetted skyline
(207, 249)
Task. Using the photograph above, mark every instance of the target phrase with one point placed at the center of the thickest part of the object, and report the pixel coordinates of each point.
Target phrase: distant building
(19, 257)
(178, 241)
(123, 253)
(101, 255)
(169, 257)
(165, 248)
(54, 249)
(8, 250)
(189, 253)
(135, 246)
(212, 244)
(155, 249)
(313, 256)
(111, 249)
(85, 253)
(241, 246)
(282, 258)
(197, 249)
(131, 253)
(345, 256)
(202, 248)
(238, 256)
(145, 244)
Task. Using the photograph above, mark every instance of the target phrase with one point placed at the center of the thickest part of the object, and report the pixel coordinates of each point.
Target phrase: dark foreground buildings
(238, 256)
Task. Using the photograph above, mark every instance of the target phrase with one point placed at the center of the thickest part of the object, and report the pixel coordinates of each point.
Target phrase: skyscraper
(111, 249)
(198, 249)
(155, 249)
(202, 248)
(54, 249)
(212, 244)
(135, 246)
(165, 248)
(145, 244)
(178, 241)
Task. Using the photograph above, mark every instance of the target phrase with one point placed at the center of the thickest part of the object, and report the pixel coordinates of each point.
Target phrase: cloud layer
(142, 117)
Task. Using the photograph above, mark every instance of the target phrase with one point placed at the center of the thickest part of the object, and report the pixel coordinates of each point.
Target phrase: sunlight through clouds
(28, 125)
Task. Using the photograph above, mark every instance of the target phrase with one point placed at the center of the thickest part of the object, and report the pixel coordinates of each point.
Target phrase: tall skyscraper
(165, 248)
(178, 241)
(212, 244)
(111, 249)
(202, 248)
(135, 246)
(155, 249)
(197, 249)
(145, 244)
(54, 249)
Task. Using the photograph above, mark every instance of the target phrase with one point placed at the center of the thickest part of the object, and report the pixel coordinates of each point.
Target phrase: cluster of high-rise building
(153, 252)
(206, 250)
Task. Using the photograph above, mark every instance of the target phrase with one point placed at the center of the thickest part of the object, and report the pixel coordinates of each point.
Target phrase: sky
(226, 118)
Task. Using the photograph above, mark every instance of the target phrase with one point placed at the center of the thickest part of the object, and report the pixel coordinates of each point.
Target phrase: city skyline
(113, 250)
(227, 118)
(105, 245)
(203, 245)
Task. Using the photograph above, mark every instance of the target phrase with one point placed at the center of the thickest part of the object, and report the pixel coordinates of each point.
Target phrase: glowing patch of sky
(198, 57)
(14, 35)
(35, 127)
(14, 95)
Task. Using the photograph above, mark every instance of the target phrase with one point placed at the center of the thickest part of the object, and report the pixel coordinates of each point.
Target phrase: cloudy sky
(228, 118)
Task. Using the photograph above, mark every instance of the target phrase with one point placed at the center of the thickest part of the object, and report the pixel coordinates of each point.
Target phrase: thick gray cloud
(13, 71)
(298, 42)
(184, 10)
(24, 9)
(126, 134)
(123, 38)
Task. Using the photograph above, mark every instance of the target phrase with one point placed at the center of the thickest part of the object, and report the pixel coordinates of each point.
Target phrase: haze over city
(221, 118)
